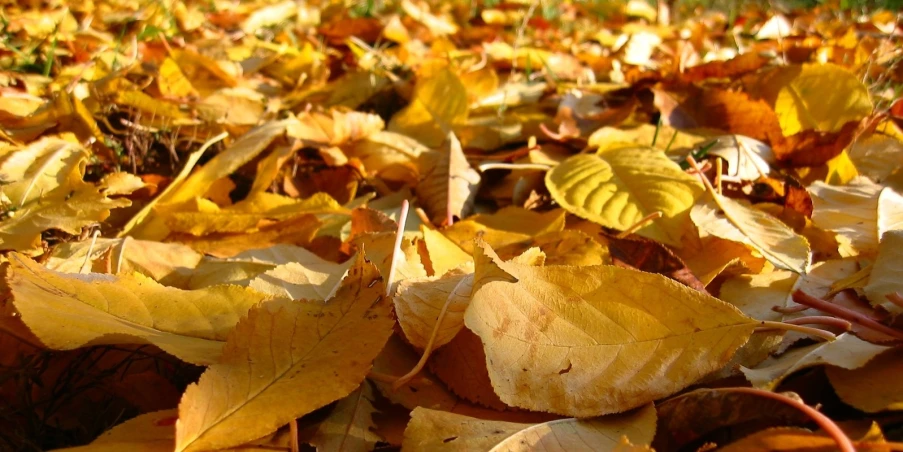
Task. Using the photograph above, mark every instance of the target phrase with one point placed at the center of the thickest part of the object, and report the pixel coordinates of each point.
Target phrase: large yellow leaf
(440, 101)
(431, 430)
(123, 256)
(587, 341)
(617, 188)
(286, 359)
(815, 96)
(68, 311)
(732, 220)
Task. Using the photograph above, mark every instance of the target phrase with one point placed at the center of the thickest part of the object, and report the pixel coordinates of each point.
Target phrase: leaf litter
(423, 225)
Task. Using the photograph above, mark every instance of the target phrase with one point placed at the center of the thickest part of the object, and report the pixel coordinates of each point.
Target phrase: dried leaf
(448, 184)
(886, 277)
(585, 355)
(356, 324)
(350, 424)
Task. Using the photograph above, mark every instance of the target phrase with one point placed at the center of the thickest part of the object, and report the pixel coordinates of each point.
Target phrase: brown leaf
(734, 67)
(814, 148)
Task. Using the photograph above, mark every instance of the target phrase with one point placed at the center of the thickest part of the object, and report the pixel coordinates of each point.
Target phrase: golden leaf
(68, 311)
(278, 352)
(448, 185)
(593, 339)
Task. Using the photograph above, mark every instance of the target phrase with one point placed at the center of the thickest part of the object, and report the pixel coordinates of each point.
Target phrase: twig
(821, 320)
(87, 261)
(816, 332)
(895, 298)
(805, 299)
(639, 224)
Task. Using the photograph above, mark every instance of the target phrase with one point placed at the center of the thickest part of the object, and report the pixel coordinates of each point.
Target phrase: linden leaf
(887, 272)
(619, 187)
(732, 220)
(68, 311)
(281, 350)
(448, 185)
(597, 339)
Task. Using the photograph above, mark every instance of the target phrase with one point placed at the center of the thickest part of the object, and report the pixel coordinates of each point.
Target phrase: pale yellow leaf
(669, 139)
(859, 213)
(277, 353)
(431, 430)
(847, 352)
(444, 254)
(877, 156)
(592, 341)
(887, 272)
(504, 227)
(68, 311)
(874, 387)
(617, 188)
(567, 435)
(123, 256)
(733, 220)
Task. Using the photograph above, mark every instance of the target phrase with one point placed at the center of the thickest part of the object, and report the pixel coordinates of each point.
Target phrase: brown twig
(805, 299)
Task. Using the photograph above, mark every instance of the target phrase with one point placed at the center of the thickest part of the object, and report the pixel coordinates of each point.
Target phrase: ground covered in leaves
(470, 225)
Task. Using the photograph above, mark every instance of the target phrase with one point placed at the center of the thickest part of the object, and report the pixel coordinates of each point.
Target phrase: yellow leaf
(617, 188)
(444, 255)
(859, 213)
(504, 227)
(669, 138)
(732, 220)
(349, 425)
(278, 352)
(877, 155)
(887, 272)
(440, 101)
(123, 256)
(70, 311)
(593, 339)
(43, 189)
(431, 430)
(847, 352)
(448, 185)
(151, 432)
(816, 96)
(841, 169)
(172, 82)
(874, 387)
(296, 231)
(568, 247)
(202, 217)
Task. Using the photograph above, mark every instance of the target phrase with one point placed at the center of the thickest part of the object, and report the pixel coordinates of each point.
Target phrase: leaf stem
(639, 224)
(789, 309)
(816, 332)
(705, 180)
(805, 299)
(718, 167)
(821, 320)
(399, 234)
(424, 218)
(87, 261)
(895, 298)
(843, 442)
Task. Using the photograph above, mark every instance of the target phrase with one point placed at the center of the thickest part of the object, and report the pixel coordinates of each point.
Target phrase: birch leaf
(281, 350)
(68, 311)
(448, 185)
(617, 188)
(587, 341)
(729, 219)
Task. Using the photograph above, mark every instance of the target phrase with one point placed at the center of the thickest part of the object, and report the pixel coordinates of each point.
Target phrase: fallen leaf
(618, 188)
(349, 425)
(448, 185)
(104, 309)
(859, 213)
(560, 324)
(272, 368)
(847, 352)
(887, 272)
(151, 432)
(439, 102)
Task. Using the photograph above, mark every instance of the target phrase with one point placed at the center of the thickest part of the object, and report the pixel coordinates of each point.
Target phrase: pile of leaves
(495, 225)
